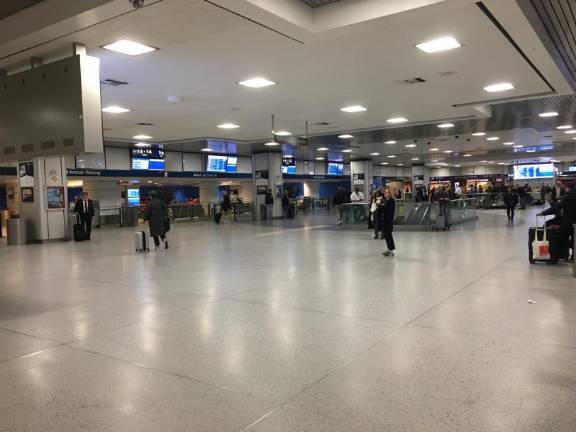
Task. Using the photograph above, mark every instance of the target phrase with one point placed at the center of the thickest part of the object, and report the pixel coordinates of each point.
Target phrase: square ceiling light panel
(129, 47)
(438, 45)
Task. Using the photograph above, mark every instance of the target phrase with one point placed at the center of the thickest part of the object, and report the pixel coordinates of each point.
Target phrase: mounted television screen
(536, 171)
(232, 164)
(147, 153)
(288, 169)
(335, 169)
(148, 164)
(217, 163)
(288, 160)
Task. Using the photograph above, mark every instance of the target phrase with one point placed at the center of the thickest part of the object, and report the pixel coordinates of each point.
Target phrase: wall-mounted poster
(10, 193)
(26, 174)
(55, 196)
(27, 194)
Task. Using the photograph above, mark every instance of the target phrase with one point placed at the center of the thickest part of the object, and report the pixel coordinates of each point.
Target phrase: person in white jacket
(356, 196)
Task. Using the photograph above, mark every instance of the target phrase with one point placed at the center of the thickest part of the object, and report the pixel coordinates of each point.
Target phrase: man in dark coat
(84, 207)
(157, 217)
(567, 208)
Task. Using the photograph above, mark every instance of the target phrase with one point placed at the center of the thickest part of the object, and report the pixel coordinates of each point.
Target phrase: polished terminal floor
(288, 327)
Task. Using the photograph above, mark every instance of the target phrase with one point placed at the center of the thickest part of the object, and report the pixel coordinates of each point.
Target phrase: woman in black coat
(157, 217)
(387, 211)
(510, 200)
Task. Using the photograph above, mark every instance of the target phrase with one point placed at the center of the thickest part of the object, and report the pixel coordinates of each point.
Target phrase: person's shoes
(166, 244)
(388, 253)
(339, 223)
(156, 247)
(375, 237)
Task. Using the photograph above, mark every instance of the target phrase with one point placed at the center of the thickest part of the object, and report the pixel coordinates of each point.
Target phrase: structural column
(267, 169)
(43, 198)
(420, 175)
(362, 175)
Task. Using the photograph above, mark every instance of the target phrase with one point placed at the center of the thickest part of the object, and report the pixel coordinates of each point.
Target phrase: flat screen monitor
(534, 171)
(232, 164)
(288, 160)
(133, 196)
(217, 163)
(140, 164)
(335, 169)
(144, 164)
(288, 169)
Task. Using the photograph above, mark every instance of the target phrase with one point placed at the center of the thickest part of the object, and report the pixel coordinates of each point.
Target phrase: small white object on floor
(531, 301)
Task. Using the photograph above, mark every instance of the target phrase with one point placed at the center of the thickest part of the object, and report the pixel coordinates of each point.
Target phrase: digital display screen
(232, 164)
(133, 196)
(147, 153)
(217, 163)
(572, 168)
(289, 169)
(335, 169)
(156, 165)
(288, 160)
(148, 164)
(537, 171)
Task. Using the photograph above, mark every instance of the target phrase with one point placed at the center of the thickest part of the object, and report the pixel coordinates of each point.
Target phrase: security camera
(137, 4)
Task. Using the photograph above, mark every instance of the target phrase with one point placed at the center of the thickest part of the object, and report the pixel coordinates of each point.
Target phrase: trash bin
(17, 232)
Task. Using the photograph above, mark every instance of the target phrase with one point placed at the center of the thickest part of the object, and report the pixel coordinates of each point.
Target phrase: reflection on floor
(288, 327)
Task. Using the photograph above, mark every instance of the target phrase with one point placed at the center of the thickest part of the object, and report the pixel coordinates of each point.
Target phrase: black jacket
(268, 199)
(79, 207)
(510, 199)
(340, 198)
(385, 213)
(567, 207)
(156, 215)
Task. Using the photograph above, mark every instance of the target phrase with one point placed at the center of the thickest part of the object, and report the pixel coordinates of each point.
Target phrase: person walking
(510, 200)
(157, 216)
(269, 202)
(285, 204)
(339, 200)
(84, 207)
(387, 212)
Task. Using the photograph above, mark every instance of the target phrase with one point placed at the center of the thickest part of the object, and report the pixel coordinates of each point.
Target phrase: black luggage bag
(218, 217)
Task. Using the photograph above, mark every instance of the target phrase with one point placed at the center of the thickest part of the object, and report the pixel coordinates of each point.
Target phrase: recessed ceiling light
(206, 149)
(347, 151)
(564, 127)
(141, 137)
(518, 146)
(391, 156)
(383, 163)
(354, 109)
(115, 109)
(494, 88)
(319, 158)
(492, 138)
(479, 134)
(390, 142)
(399, 164)
(531, 151)
(271, 144)
(508, 143)
(548, 114)
(345, 136)
(445, 125)
(228, 126)
(440, 44)
(322, 149)
(467, 155)
(434, 149)
(457, 166)
(415, 159)
(257, 82)
(501, 163)
(375, 154)
(484, 161)
(410, 145)
(435, 160)
(570, 132)
(448, 151)
(282, 133)
(395, 120)
(129, 47)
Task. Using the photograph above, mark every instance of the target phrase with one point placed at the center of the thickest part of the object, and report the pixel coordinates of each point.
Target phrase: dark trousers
(387, 235)
(157, 240)
(510, 211)
(86, 222)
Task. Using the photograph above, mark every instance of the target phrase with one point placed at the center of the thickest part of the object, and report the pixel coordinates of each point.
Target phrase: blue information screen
(535, 171)
(232, 164)
(133, 196)
(290, 169)
(217, 163)
(335, 169)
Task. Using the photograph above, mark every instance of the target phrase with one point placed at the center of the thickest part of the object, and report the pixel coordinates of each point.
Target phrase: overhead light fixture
(271, 144)
(434, 149)
(113, 109)
(435, 160)
(564, 127)
(438, 45)
(129, 47)
(448, 151)
(347, 151)
(494, 88)
(390, 142)
(518, 146)
(391, 156)
(257, 82)
(375, 154)
(479, 134)
(501, 163)
(354, 109)
(383, 163)
(508, 143)
(410, 145)
(228, 126)
(467, 155)
(492, 138)
(206, 149)
(531, 151)
(571, 132)
(319, 158)
(399, 164)
(445, 125)
(141, 137)
(345, 136)
(548, 114)
(282, 133)
(322, 149)
(415, 159)
(396, 120)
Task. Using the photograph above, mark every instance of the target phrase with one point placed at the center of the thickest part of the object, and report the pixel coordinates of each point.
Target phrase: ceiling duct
(318, 3)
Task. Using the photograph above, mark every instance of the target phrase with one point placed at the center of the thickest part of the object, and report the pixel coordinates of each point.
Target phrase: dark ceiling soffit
(543, 32)
(507, 35)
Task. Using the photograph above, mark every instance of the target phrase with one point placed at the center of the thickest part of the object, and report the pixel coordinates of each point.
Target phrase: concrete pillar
(267, 169)
(45, 179)
(362, 175)
(420, 175)
(208, 192)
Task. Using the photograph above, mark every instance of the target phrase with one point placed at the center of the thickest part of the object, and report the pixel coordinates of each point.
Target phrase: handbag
(541, 248)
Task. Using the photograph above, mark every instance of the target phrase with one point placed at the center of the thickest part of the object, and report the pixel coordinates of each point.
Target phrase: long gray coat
(156, 214)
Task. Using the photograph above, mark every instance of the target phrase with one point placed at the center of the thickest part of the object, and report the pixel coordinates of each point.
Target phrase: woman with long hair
(387, 212)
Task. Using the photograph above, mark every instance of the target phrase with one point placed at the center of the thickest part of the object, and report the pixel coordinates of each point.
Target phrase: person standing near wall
(269, 202)
(84, 207)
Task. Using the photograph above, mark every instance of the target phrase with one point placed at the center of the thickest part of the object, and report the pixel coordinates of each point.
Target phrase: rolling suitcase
(79, 234)
(556, 251)
(141, 241)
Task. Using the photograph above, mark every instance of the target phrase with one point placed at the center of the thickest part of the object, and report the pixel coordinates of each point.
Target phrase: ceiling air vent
(413, 81)
(322, 123)
(447, 73)
(113, 82)
(144, 124)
